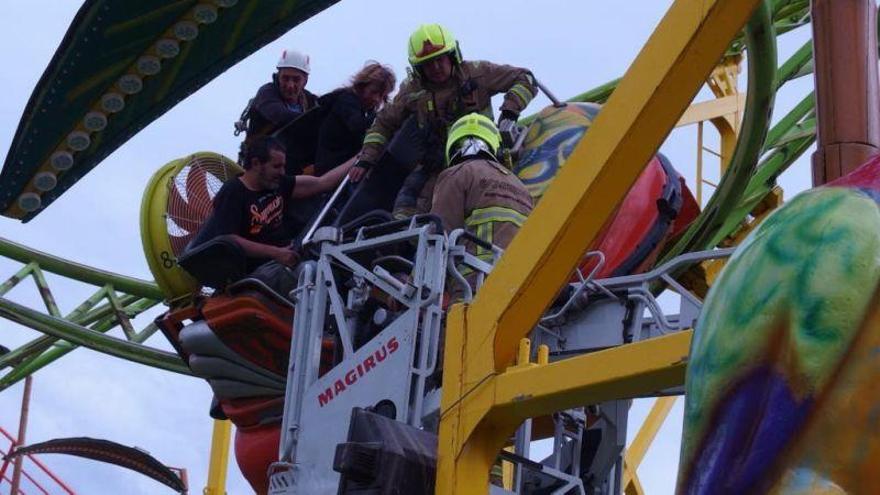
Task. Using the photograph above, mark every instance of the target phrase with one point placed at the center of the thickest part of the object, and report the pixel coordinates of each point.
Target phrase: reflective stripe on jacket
(484, 198)
(470, 89)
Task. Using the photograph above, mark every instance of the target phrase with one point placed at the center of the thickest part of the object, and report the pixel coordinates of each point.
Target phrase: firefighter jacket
(484, 198)
(470, 89)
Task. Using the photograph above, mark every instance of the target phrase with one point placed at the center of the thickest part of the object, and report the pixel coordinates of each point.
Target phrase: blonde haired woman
(350, 112)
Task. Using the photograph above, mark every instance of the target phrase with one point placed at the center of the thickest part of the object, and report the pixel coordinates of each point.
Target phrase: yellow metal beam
(643, 367)
(636, 451)
(482, 338)
(528, 391)
(639, 446)
(633, 486)
(219, 458)
(647, 103)
(712, 109)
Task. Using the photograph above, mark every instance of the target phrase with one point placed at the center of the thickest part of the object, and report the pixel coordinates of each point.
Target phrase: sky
(570, 47)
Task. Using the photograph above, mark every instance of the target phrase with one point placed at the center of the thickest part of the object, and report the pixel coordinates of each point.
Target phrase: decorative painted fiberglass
(657, 206)
(550, 139)
(782, 389)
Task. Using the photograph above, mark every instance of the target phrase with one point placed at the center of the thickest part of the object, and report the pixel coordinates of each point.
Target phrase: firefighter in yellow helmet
(475, 191)
(409, 133)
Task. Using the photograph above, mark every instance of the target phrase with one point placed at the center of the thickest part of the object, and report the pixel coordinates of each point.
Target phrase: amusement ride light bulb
(78, 140)
(167, 48)
(112, 102)
(149, 65)
(95, 121)
(131, 84)
(61, 160)
(29, 201)
(204, 13)
(186, 30)
(45, 181)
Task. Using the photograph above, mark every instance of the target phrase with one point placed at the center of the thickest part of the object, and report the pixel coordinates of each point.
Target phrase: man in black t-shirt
(250, 210)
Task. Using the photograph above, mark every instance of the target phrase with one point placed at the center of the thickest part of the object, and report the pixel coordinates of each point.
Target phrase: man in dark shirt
(250, 210)
(277, 105)
(282, 100)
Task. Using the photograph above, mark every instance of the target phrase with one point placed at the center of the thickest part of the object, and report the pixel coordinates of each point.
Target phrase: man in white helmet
(283, 99)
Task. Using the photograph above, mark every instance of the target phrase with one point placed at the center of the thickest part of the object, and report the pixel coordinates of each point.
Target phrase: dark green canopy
(121, 65)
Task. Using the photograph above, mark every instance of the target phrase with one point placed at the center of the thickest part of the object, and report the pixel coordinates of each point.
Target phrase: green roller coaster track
(761, 155)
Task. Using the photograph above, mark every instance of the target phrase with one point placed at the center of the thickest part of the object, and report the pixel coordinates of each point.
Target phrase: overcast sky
(570, 46)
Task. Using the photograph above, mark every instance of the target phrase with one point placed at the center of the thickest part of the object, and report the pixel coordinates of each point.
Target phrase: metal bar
(760, 41)
(34, 482)
(632, 485)
(617, 373)
(712, 152)
(700, 164)
(5, 465)
(710, 109)
(40, 344)
(636, 451)
(550, 95)
(45, 292)
(761, 184)
(36, 461)
(792, 67)
(51, 475)
(33, 363)
(542, 257)
(317, 222)
(654, 93)
(88, 304)
(79, 272)
(15, 279)
(219, 461)
(22, 432)
(119, 313)
(91, 339)
(143, 335)
(791, 119)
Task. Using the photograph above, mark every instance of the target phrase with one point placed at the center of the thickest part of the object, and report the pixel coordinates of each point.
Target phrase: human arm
(282, 254)
(517, 83)
(387, 122)
(270, 106)
(308, 186)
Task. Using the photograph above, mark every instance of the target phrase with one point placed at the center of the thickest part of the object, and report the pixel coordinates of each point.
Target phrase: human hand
(286, 256)
(359, 170)
(507, 127)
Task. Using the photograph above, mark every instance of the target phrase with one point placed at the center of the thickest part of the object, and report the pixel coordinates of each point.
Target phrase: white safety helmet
(294, 60)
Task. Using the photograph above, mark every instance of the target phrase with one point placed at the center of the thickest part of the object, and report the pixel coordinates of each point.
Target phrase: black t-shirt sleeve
(228, 211)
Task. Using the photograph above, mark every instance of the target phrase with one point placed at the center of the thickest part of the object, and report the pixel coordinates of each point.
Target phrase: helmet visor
(469, 147)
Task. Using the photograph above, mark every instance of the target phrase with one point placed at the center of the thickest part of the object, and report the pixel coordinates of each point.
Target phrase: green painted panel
(115, 46)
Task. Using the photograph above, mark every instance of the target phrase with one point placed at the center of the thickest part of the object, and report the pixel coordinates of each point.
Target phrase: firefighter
(441, 88)
(476, 192)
